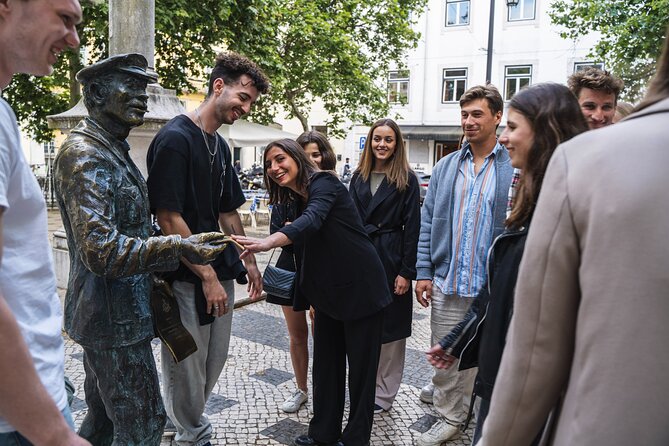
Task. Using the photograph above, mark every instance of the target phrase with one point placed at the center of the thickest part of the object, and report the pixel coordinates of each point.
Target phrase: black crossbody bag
(277, 281)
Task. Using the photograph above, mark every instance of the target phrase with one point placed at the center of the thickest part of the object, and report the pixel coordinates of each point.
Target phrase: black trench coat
(338, 270)
(392, 220)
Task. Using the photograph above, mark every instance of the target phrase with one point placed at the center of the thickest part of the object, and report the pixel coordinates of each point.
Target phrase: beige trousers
(390, 371)
(452, 388)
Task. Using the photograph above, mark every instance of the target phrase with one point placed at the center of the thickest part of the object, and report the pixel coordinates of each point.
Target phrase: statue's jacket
(103, 201)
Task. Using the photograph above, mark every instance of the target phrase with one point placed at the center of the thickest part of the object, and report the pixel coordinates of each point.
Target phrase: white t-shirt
(27, 278)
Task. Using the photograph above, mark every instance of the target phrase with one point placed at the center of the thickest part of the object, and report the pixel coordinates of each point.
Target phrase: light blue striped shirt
(472, 225)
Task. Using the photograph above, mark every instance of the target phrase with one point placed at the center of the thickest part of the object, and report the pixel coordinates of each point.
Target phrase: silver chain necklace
(212, 155)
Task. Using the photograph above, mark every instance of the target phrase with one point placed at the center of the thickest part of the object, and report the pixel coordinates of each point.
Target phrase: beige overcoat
(591, 314)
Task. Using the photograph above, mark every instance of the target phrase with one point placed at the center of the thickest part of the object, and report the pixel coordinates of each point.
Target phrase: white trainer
(427, 394)
(439, 433)
(295, 401)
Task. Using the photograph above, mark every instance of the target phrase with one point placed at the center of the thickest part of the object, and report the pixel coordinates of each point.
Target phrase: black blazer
(338, 269)
(392, 220)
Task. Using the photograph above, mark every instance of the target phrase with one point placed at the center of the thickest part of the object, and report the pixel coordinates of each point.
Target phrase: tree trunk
(298, 114)
(75, 88)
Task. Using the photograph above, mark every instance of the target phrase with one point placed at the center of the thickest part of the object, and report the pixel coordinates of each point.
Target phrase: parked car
(423, 181)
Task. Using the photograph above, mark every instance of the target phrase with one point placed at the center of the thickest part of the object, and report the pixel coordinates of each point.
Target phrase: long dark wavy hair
(305, 168)
(398, 171)
(555, 117)
(328, 157)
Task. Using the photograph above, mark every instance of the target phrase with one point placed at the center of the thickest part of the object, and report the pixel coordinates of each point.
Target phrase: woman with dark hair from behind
(588, 337)
(319, 151)
(387, 195)
(339, 274)
(539, 119)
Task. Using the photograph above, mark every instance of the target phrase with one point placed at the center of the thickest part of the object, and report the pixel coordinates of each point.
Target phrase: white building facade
(452, 57)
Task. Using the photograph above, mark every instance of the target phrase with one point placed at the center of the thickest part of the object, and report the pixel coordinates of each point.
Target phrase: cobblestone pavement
(258, 377)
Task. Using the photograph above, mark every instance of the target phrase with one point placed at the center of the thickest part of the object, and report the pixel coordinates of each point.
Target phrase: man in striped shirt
(464, 210)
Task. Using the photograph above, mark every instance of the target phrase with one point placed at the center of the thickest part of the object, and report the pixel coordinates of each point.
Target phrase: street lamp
(491, 28)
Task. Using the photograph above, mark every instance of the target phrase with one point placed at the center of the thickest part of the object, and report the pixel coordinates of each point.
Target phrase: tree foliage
(337, 51)
(632, 34)
(334, 50)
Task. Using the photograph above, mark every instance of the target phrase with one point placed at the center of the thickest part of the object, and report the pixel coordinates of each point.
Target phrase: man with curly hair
(597, 92)
(193, 188)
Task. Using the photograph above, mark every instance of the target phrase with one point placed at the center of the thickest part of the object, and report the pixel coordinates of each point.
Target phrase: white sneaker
(427, 393)
(295, 401)
(439, 433)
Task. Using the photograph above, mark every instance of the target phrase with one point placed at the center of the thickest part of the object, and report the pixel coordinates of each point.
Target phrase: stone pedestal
(61, 258)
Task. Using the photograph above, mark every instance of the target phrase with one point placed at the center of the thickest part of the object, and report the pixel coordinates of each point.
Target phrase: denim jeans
(16, 439)
(480, 419)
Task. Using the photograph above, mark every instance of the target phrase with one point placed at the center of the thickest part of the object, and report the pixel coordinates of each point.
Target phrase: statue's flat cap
(133, 64)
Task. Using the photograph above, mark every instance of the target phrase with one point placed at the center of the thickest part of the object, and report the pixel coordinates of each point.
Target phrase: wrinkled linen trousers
(188, 384)
(452, 388)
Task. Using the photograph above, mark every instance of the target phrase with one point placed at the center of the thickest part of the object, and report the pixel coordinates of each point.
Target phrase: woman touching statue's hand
(252, 245)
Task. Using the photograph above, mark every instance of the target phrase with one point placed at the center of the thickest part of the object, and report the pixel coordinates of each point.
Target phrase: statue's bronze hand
(203, 248)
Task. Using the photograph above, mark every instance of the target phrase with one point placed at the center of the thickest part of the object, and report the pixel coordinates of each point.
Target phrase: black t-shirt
(182, 179)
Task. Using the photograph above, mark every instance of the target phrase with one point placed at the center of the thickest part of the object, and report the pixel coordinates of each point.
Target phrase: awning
(249, 134)
(433, 132)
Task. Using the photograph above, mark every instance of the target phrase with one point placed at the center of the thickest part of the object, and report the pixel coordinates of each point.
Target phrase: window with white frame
(321, 129)
(515, 78)
(524, 10)
(454, 84)
(457, 12)
(49, 148)
(398, 87)
(580, 66)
